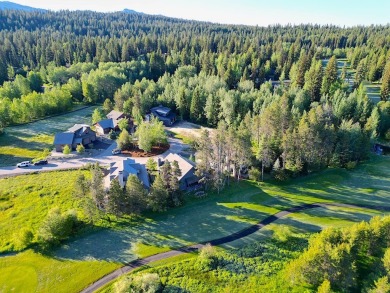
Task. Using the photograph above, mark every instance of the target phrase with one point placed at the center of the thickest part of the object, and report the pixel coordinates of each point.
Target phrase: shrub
(112, 135)
(22, 239)
(281, 174)
(66, 150)
(207, 258)
(56, 227)
(148, 283)
(351, 165)
(282, 233)
(387, 134)
(254, 174)
(80, 149)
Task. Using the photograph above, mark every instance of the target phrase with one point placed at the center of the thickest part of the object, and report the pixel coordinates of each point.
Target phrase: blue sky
(251, 12)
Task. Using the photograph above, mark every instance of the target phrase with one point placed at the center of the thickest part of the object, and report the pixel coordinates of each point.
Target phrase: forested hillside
(279, 90)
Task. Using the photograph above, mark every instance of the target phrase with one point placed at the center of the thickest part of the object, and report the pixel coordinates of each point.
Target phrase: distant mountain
(6, 5)
(130, 11)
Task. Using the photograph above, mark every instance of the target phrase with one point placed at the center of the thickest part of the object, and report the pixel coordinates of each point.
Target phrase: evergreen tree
(159, 195)
(385, 87)
(97, 116)
(196, 108)
(115, 199)
(135, 200)
(313, 79)
(97, 187)
(330, 75)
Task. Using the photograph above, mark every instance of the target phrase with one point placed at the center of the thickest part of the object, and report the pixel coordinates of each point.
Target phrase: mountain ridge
(7, 5)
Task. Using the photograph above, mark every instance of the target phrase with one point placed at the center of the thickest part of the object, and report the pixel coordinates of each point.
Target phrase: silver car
(24, 164)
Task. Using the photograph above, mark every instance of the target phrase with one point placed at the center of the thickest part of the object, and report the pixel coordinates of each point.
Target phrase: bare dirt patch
(188, 129)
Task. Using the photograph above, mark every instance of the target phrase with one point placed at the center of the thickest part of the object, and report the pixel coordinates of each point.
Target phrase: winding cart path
(229, 238)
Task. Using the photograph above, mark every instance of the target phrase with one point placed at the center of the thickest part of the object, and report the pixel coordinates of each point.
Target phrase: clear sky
(251, 12)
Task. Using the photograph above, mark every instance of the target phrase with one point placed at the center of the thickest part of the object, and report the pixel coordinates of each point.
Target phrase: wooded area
(308, 117)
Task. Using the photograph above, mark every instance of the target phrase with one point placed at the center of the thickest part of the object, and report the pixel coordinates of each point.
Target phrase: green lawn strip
(144, 250)
(110, 287)
(25, 142)
(25, 201)
(32, 272)
(199, 220)
(329, 217)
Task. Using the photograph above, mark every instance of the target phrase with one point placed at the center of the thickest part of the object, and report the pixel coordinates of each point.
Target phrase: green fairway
(198, 220)
(32, 272)
(373, 92)
(240, 206)
(25, 201)
(25, 142)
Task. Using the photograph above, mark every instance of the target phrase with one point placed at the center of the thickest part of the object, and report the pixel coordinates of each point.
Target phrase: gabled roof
(161, 110)
(63, 138)
(184, 164)
(77, 127)
(115, 115)
(128, 167)
(106, 123)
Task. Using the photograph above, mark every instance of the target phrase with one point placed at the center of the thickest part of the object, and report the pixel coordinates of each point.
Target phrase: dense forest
(269, 87)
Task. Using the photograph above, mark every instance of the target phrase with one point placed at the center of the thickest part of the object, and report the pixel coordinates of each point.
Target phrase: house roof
(106, 123)
(63, 138)
(184, 164)
(161, 110)
(77, 127)
(115, 115)
(127, 167)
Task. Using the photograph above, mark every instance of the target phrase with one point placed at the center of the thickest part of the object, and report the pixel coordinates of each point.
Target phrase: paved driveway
(104, 158)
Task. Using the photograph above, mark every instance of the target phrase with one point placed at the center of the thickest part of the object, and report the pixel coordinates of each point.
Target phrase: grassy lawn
(239, 206)
(26, 142)
(198, 220)
(25, 201)
(373, 92)
(32, 272)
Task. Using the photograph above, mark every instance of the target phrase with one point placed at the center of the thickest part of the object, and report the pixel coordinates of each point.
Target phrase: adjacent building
(187, 168)
(164, 114)
(77, 134)
(123, 169)
(111, 123)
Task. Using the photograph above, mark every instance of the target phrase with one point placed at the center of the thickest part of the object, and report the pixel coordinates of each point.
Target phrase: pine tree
(97, 187)
(330, 75)
(158, 196)
(115, 198)
(196, 110)
(135, 200)
(385, 87)
(313, 79)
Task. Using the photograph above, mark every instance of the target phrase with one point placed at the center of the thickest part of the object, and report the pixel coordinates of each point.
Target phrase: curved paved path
(223, 240)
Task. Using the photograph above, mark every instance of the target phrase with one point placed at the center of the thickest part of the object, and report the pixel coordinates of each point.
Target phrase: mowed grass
(198, 220)
(25, 142)
(32, 272)
(373, 92)
(25, 201)
(237, 207)
(240, 206)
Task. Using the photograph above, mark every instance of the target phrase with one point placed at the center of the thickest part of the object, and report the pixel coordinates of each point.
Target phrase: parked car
(24, 164)
(116, 151)
(40, 162)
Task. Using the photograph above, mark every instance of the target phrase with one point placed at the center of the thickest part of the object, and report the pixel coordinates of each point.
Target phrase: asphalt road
(104, 158)
(229, 238)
